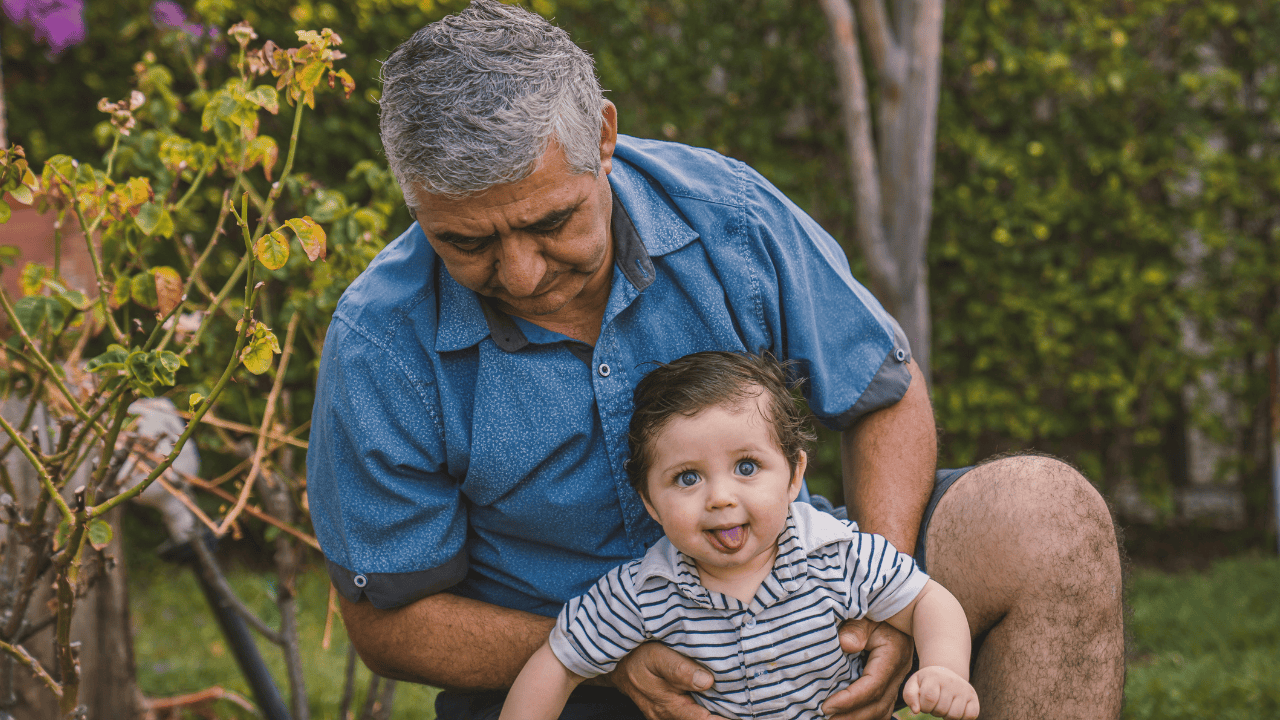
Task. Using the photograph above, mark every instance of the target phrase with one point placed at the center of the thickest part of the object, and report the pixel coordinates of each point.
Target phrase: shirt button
(750, 621)
(901, 355)
(360, 581)
(604, 370)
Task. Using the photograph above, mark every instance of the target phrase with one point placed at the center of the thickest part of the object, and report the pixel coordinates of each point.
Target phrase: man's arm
(888, 460)
(446, 641)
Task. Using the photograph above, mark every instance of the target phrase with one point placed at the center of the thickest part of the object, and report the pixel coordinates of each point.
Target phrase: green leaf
(140, 367)
(111, 360)
(37, 310)
(168, 288)
(272, 250)
(194, 401)
(5, 212)
(310, 235)
(120, 293)
(265, 97)
(75, 299)
(165, 365)
(153, 219)
(99, 534)
(143, 290)
(9, 255)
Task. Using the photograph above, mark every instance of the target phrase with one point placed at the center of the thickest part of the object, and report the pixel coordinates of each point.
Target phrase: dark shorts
(600, 703)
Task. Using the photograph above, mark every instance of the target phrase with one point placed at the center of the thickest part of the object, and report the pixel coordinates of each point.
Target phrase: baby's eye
(747, 468)
(688, 478)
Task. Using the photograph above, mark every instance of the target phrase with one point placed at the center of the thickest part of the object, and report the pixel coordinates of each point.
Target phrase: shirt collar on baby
(807, 531)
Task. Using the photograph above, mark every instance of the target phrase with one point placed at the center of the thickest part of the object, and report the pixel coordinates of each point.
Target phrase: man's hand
(872, 696)
(658, 680)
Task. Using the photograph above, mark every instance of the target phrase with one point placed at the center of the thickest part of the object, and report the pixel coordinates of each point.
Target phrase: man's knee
(1037, 521)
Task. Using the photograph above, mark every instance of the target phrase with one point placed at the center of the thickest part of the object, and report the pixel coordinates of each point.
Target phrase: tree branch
(862, 155)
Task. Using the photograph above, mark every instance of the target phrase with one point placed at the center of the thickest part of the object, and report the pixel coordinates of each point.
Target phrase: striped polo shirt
(778, 656)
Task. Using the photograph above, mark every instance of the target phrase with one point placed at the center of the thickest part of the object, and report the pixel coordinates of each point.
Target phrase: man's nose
(520, 264)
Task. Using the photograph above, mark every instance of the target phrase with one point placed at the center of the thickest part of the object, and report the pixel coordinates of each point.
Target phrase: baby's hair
(703, 380)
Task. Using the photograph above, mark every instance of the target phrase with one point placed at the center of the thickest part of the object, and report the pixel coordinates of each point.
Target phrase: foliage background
(1104, 230)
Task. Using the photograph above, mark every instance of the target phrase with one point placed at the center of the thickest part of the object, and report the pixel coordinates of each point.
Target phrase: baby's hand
(939, 691)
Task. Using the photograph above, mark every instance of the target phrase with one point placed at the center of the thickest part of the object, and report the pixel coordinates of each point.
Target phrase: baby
(747, 581)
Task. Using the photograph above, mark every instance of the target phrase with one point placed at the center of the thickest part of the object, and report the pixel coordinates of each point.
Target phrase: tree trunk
(893, 186)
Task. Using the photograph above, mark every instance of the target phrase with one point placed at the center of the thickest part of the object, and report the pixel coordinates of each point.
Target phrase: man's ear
(797, 476)
(608, 136)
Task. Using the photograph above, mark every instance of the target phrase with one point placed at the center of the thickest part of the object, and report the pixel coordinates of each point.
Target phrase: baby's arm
(941, 631)
(541, 689)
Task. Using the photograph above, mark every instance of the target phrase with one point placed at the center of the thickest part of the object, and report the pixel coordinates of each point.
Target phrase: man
(466, 472)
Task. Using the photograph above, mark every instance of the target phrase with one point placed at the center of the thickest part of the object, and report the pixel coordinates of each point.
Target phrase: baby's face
(719, 485)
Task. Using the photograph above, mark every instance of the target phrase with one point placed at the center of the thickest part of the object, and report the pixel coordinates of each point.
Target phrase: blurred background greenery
(1104, 263)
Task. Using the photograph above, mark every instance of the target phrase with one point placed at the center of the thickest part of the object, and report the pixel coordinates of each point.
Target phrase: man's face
(540, 248)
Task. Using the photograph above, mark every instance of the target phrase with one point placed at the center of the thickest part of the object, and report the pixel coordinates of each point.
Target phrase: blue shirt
(453, 446)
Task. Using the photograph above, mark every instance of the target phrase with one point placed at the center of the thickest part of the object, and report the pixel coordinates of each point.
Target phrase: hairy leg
(1028, 547)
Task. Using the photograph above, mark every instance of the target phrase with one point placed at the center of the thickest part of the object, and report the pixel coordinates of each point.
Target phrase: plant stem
(207, 403)
(21, 655)
(39, 468)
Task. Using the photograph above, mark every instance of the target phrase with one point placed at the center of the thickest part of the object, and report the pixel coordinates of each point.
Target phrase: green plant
(183, 307)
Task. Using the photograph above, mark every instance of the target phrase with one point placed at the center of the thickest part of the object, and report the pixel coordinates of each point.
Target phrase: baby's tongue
(732, 538)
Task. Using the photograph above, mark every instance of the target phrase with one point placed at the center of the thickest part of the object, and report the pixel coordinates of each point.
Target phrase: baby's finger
(911, 693)
(930, 694)
(971, 708)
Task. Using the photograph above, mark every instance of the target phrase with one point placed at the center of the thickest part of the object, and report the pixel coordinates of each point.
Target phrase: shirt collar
(466, 317)
(808, 530)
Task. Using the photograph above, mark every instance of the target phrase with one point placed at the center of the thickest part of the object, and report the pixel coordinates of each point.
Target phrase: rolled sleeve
(390, 520)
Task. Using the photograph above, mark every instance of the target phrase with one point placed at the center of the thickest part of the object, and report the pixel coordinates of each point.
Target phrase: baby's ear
(648, 506)
(797, 475)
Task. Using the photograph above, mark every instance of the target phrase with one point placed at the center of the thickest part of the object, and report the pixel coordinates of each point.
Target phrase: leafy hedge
(1106, 195)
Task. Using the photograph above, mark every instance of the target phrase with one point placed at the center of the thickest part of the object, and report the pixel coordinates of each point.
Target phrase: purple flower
(58, 23)
(167, 13)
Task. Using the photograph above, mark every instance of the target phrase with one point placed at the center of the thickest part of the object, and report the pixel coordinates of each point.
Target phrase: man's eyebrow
(546, 222)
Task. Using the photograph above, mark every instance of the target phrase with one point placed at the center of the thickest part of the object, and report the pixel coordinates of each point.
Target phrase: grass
(1204, 644)
(179, 648)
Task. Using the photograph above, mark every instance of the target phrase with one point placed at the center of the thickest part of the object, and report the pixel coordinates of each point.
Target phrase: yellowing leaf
(32, 279)
(272, 250)
(120, 293)
(262, 149)
(194, 401)
(262, 347)
(310, 235)
(168, 289)
(22, 194)
(348, 84)
(265, 97)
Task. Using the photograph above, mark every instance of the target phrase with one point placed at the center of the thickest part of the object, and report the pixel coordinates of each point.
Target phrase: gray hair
(473, 100)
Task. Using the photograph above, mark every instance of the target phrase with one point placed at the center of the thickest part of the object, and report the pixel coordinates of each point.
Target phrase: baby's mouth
(728, 539)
